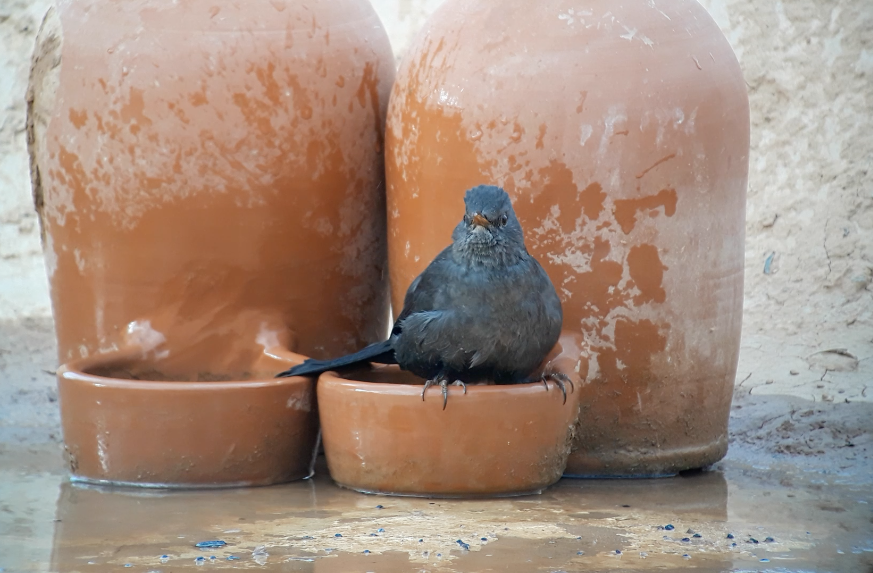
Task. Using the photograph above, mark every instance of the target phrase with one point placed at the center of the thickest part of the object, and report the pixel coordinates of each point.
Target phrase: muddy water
(817, 522)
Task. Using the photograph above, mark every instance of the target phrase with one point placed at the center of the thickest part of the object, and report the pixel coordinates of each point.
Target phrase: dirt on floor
(28, 391)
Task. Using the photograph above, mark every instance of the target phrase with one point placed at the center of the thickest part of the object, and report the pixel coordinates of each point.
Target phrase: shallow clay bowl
(380, 437)
(126, 424)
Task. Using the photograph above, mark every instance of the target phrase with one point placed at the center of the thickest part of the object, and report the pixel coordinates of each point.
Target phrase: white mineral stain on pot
(323, 227)
(301, 403)
(51, 257)
(267, 337)
(614, 116)
(652, 5)
(586, 131)
(448, 99)
(101, 452)
(80, 260)
(99, 306)
(631, 32)
(141, 333)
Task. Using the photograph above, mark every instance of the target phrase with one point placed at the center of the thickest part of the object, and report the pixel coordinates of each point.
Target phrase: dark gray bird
(484, 309)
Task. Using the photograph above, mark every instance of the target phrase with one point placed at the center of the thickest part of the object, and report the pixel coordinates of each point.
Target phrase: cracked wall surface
(808, 324)
(808, 321)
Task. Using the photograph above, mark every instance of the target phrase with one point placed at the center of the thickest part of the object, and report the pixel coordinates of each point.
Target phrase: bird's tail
(380, 352)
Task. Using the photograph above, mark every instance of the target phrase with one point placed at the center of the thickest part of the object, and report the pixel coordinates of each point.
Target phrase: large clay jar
(621, 131)
(209, 177)
(202, 166)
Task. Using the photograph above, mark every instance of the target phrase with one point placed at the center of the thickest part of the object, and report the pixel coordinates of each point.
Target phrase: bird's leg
(561, 380)
(444, 386)
(439, 379)
(443, 383)
(445, 389)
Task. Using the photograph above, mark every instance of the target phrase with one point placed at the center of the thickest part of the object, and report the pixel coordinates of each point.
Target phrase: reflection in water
(27, 501)
(316, 526)
(636, 525)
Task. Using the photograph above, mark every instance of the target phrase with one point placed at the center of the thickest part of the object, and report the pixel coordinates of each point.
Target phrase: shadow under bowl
(381, 437)
(126, 423)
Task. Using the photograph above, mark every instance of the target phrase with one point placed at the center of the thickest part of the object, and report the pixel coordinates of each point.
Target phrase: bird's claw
(444, 387)
(427, 384)
(561, 380)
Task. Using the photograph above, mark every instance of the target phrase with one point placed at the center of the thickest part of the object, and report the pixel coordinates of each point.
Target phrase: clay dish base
(125, 423)
(646, 463)
(380, 437)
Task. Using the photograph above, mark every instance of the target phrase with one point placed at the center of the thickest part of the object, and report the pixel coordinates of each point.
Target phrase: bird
(483, 310)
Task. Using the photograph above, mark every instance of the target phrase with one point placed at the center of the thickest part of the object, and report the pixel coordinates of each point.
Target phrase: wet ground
(734, 517)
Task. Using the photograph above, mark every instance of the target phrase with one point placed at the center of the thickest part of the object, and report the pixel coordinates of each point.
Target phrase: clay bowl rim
(331, 377)
(569, 341)
(76, 371)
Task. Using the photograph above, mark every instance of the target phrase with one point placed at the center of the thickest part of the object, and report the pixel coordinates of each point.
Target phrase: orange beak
(479, 220)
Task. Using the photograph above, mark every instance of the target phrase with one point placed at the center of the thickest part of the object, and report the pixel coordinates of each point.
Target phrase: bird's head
(490, 231)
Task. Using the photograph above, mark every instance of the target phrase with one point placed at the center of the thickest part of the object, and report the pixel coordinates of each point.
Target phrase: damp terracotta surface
(209, 177)
(622, 134)
(124, 422)
(381, 437)
(818, 522)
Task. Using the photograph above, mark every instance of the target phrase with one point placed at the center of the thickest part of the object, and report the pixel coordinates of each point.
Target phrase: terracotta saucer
(381, 437)
(125, 423)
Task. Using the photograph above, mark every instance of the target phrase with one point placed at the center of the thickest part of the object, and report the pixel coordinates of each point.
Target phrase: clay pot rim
(75, 371)
(331, 378)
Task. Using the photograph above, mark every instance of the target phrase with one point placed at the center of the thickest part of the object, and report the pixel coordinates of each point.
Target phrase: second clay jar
(621, 131)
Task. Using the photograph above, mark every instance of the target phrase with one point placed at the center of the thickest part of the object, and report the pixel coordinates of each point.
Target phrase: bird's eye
(467, 219)
(503, 220)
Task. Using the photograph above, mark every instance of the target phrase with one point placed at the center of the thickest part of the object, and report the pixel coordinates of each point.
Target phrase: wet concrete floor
(734, 517)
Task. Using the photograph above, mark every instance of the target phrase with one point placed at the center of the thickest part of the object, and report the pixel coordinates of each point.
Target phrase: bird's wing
(484, 353)
(429, 342)
(421, 293)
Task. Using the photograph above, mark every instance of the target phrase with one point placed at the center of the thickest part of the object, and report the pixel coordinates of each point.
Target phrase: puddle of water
(315, 526)
(27, 513)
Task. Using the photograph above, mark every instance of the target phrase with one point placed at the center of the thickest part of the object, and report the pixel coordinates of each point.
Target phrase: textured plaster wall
(809, 320)
(809, 258)
(23, 285)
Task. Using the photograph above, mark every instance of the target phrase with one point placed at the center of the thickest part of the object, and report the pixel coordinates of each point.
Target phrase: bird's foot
(443, 383)
(560, 379)
(439, 380)
(445, 390)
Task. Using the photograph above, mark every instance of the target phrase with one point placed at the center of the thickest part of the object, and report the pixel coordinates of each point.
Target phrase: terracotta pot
(622, 134)
(381, 437)
(209, 180)
(202, 167)
(123, 426)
